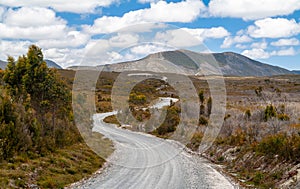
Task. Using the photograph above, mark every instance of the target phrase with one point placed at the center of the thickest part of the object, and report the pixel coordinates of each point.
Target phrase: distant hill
(296, 71)
(2, 64)
(50, 64)
(191, 63)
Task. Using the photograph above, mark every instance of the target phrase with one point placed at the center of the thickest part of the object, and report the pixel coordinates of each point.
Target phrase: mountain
(2, 64)
(190, 63)
(50, 64)
(296, 71)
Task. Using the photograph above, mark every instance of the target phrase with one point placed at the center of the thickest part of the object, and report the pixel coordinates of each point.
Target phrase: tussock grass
(55, 170)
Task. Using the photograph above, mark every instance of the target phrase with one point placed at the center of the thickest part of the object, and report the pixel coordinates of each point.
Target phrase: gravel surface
(142, 161)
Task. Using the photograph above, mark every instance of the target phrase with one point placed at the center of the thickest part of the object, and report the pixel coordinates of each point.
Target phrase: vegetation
(170, 123)
(35, 110)
(259, 140)
(56, 170)
(270, 112)
(137, 99)
(39, 142)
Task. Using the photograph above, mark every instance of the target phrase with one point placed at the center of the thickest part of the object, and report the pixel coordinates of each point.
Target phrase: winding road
(142, 161)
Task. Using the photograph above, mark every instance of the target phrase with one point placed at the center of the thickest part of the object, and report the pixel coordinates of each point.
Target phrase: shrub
(221, 159)
(203, 120)
(170, 123)
(209, 106)
(286, 147)
(202, 109)
(283, 117)
(270, 112)
(137, 99)
(248, 114)
(258, 178)
(258, 91)
(201, 97)
(195, 141)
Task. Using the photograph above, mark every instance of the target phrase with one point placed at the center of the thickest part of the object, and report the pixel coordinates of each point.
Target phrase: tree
(202, 99)
(209, 106)
(40, 103)
(247, 114)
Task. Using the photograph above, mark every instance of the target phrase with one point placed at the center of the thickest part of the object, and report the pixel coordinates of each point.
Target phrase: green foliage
(239, 138)
(209, 106)
(202, 109)
(56, 170)
(248, 114)
(201, 96)
(170, 123)
(137, 99)
(283, 117)
(258, 178)
(203, 120)
(286, 147)
(35, 108)
(221, 159)
(270, 112)
(195, 141)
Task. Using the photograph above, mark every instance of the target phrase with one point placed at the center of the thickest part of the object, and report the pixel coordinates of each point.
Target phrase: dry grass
(55, 170)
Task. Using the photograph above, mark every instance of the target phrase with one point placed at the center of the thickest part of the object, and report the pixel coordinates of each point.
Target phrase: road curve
(142, 161)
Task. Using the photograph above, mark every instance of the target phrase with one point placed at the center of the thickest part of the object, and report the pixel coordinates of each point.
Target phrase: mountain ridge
(193, 63)
(296, 71)
(50, 64)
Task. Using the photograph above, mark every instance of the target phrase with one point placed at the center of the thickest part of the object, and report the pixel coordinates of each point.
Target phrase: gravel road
(142, 161)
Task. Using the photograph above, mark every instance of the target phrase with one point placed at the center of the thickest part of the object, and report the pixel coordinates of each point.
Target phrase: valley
(244, 147)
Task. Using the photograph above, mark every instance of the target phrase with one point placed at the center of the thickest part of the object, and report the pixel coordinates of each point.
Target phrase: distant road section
(142, 161)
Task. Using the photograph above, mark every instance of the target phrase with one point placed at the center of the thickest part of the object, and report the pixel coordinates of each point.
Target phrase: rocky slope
(191, 63)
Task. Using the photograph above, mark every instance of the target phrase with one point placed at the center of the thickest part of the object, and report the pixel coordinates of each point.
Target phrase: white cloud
(71, 39)
(123, 40)
(114, 57)
(13, 48)
(240, 46)
(274, 28)
(24, 26)
(286, 42)
(147, 49)
(25, 17)
(148, 1)
(65, 57)
(203, 33)
(284, 52)
(75, 6)
(32, 33)
(2, 11)
(177, 38)
(32, 24)
(260, 45)
(42, 26)
(184, 11)
(228, 41)
(187, 37)
(256, 54)
(252, 9)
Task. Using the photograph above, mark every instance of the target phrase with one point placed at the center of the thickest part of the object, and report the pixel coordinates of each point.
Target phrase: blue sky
(68, 31)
